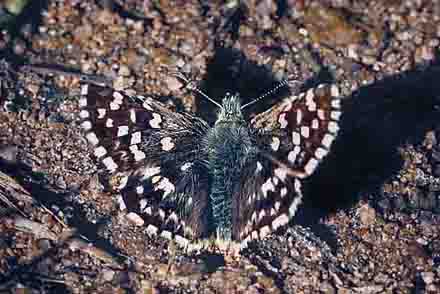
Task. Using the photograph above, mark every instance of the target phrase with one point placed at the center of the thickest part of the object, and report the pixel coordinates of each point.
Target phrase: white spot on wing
(92, 138)
(293, 154)
(100, 151)
(296, 138)
(299, 116)
(166, 235)
(335, 115)
(114, 106)
(167, 143)
(253, 217)
(148, 210)
(333, 127)
(161, 214)
(261, 215)
(336, 103)
(140, 190)
(277, 205)
(83, 102)
(283, 192)
(133, 115)
(281, 173)
(321, 114)
(305, 131)
(259, 167)
(327, 140)
(84, 91)
(280, 221)
(152, 230)
(297, 186)
(310, 103)
(155, 122)
(138, 154)
(294, 206)
(101, 112)
(122, 131)
(151, 171)
(173, 217)
(109, 123)
(135, 138)
(282, 120)
(264, 231)
(166, 186)
(155, 179)
(84, 114)
(147, 106)
(275, 143)
(86, 125)
(185, 166)
(320, 153)
(123, 182)
(315, 124)
(117, 97)
(267, 186)
(109, 163)
(142, 203)
(311, 166)
(334, 90)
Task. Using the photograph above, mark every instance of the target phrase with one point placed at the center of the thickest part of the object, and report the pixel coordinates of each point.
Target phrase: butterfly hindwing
(267, 199)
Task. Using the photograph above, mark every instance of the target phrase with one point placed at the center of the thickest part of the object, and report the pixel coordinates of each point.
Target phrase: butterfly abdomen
(229, 146)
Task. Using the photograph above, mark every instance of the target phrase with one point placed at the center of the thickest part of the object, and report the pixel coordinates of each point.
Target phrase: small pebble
(135, 218)
(367, 215)
(428, 277)
(108, 275)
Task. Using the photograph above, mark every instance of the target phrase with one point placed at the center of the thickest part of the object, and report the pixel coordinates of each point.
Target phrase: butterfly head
(230, 110)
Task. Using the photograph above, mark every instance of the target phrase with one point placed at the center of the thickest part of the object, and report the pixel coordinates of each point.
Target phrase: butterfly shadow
(376, 120)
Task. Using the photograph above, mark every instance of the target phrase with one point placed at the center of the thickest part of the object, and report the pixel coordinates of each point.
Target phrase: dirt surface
(371, 218)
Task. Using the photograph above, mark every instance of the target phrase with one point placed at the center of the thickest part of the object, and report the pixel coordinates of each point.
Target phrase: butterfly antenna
(270, 92)
(192, 87)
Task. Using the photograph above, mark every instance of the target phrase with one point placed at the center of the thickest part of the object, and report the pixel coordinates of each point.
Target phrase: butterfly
(236, 180)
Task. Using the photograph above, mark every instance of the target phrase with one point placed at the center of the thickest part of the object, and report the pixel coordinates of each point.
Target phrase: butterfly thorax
(229, 145)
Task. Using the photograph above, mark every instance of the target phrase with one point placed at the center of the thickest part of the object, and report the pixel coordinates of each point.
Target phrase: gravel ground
(371, 219)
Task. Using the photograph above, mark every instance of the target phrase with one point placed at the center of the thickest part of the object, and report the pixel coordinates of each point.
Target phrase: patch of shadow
(376, 120)
(230, 72)
(79, 218)
(31, 17)
(212, 261)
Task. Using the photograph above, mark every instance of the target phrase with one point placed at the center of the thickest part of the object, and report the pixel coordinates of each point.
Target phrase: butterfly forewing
(293, 137)
(153, 153)
(300, 130)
